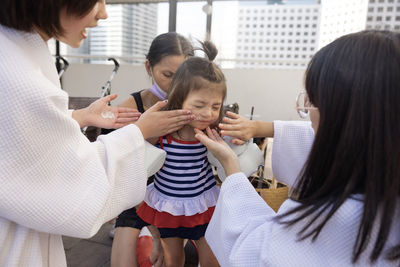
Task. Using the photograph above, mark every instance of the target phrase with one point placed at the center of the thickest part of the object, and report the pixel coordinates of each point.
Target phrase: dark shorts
(129, 217)
(193, 233)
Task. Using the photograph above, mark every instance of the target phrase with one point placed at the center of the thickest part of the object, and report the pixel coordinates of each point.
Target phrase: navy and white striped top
(186, 172)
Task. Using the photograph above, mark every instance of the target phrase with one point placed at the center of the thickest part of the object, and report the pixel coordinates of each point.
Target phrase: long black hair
(355, 83)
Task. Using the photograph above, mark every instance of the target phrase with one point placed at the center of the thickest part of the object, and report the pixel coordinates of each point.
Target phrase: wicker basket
(273, 192)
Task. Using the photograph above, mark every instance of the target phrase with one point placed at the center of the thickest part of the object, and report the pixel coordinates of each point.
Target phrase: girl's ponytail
(209, 49)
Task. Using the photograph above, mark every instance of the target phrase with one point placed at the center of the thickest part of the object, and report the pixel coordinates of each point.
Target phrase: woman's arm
(240, 223)
(54, 180)
(243, 129)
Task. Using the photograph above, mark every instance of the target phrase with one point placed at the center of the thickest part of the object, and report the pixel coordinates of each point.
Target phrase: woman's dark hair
(168, 44)
(194, 74)
(355, 83)
(24, 15)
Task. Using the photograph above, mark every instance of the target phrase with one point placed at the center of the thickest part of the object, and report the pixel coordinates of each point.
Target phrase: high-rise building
(277, 36)
(384, 15)
(286, 35)
(127, 32)
(341, 17)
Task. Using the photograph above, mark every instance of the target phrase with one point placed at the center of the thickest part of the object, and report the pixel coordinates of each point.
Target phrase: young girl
(167, 51)
(181, 200)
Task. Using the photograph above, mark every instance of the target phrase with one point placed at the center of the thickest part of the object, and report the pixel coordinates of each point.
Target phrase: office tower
(276, 36)
(127, 32)
(384, 15)
(286, 35)
(341, 17)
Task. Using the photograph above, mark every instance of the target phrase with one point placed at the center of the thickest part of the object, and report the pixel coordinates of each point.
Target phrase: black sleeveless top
(138, 100)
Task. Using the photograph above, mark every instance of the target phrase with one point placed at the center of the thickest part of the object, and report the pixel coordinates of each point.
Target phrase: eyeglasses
(303, 105)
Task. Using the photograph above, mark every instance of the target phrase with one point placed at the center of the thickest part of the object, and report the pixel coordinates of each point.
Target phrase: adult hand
(155, 123)
(100, 114)
(219, 149)
(238, 127)
(157, 254)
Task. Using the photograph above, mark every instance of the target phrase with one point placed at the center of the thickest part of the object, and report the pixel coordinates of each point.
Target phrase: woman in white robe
(54, 181)
(346, 206)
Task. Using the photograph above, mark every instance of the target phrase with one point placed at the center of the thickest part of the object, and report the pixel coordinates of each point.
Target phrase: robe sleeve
(53, 179)
(292, 144)
(237, 233)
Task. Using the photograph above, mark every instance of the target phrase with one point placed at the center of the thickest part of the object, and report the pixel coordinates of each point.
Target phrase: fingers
(110, 97)
(229, 127)
(210, 133)
(216, 135)
(230, 120)
(159, 261)
(178, 113)
(159, 105)
(129, 114)
(204, 139)
(126, 110)
(232, 115)
(197, 131)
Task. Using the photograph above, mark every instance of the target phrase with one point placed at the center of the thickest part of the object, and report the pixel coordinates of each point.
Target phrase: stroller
(92, 132)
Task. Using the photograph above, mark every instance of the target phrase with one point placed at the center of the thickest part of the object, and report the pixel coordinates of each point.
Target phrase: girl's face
(75, 27)
(205, 104)
(163, 71)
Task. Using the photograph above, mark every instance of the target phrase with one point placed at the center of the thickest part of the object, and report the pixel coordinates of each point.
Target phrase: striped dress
(182, 198)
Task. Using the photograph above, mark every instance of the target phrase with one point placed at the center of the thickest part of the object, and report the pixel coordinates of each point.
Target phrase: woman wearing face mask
(54, 181)
(167, 51)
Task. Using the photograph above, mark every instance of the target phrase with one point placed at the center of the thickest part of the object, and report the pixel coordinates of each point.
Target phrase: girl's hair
(354, 82)
(194, 74)
(24, 15)
(168, 44)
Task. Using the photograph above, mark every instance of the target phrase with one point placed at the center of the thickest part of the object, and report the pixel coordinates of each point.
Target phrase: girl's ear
(147, 65)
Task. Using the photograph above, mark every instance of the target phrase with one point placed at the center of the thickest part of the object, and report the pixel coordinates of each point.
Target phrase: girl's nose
(207, 113)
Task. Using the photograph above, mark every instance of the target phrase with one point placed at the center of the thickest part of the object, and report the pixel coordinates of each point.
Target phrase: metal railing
(223, 62)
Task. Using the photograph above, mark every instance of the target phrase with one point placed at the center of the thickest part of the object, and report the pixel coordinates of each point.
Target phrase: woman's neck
(186, 133)
(149, 99)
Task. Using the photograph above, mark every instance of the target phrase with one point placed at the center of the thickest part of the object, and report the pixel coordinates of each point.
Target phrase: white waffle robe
(53, 181)
(243, 231)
